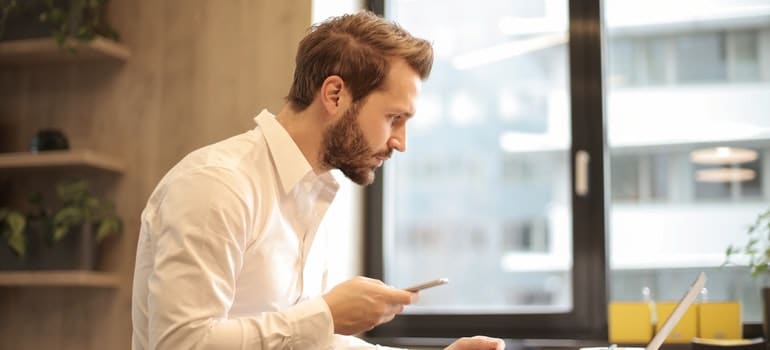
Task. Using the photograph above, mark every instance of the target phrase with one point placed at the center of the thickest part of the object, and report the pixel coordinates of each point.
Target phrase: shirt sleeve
(200, 232)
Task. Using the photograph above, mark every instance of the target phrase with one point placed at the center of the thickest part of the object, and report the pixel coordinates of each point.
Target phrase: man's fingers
(415, 297)
(387, 318)
(396, 309)
(371, 280)
(478, 342)
(491, 343)
(497, 344)
(394, 295)
(399, 296)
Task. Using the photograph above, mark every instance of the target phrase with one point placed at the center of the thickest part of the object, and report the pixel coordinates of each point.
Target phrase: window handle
(582, 158)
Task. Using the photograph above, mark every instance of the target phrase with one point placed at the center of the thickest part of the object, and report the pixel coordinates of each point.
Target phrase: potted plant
(62, 235)
(757, 250)
(62, 19)
(12, 224)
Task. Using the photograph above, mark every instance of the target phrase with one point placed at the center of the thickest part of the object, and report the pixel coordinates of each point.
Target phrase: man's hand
(361, 303)
(478, 342)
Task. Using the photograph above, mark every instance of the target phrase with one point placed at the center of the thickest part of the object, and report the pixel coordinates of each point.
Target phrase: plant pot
(76, 251)
(25, 23)
(8, 258)
(10, 261)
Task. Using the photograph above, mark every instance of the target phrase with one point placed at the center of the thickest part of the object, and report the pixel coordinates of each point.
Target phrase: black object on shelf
(49, 140)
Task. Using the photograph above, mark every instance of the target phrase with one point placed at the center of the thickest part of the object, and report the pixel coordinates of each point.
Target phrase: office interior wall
(199, 71)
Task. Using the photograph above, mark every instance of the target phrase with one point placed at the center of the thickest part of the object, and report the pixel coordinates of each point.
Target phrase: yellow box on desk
(720, 320)
(629, 322)
(685, 330)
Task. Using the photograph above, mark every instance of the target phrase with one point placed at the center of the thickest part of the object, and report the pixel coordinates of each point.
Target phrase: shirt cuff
(312, 324)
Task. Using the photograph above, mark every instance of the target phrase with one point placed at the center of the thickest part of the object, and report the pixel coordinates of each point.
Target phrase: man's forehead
(402, 97)
(395, 102)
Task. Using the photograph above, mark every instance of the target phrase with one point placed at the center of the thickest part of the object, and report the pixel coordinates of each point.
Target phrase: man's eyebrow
(405, 112)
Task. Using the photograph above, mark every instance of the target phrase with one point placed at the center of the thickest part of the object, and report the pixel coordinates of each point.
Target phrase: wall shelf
(58, 279)
(70, 158)
(45, 50)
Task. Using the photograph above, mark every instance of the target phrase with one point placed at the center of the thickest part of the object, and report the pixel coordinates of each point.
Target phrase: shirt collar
(290, 163)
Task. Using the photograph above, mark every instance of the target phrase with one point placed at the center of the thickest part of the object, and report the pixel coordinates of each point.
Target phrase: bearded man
(228, 257)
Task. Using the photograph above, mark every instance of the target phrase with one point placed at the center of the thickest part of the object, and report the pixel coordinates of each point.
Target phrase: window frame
(588, 319)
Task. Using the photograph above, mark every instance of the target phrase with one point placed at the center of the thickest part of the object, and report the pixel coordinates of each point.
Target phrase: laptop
(672, 319)
(678, 312)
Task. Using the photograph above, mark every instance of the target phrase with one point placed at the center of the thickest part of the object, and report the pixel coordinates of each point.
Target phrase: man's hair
(358, 48)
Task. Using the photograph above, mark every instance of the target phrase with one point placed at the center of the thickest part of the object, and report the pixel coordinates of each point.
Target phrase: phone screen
(429, 284)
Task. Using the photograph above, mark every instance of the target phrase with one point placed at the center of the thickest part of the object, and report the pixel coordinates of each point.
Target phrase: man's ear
(331, 92)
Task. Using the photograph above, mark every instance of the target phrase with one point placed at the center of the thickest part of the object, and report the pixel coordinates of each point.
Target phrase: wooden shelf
(71, 158)
(44, 50)
(58, 279)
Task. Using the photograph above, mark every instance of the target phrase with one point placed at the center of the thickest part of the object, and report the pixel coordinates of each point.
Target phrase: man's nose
(397, 140)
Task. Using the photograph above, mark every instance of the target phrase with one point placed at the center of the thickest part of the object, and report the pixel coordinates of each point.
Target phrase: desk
(510, 344)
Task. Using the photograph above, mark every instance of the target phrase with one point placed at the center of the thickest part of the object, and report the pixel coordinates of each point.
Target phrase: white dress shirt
(228, 256)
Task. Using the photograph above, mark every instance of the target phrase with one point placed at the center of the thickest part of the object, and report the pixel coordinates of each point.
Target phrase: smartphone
(429, 284)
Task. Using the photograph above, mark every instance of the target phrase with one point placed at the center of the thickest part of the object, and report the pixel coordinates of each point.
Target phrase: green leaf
(16, 221)
(18, 244)
(59, 232)
(64, 220)
(16, 224)
(758, 269)
(72, 190)
(91, 202)
(70, 215)
(106, 227)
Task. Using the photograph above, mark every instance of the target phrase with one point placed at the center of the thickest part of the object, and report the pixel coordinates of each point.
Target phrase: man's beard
(345, 148)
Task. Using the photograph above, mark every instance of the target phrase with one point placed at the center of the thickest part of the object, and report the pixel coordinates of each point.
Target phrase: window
(486, 195)
(483, 196)
(688, 157)
(743, 55)
(676, 56)
(640, 177)
(700, 57)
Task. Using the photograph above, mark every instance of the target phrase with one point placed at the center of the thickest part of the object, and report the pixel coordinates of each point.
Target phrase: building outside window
(484, 195)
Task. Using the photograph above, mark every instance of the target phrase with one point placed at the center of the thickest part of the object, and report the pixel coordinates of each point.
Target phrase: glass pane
(688, 100)
(482, 194)
(700, 57)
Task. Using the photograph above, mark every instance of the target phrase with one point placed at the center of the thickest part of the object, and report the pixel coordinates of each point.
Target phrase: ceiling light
(725, 175)
(723, 155)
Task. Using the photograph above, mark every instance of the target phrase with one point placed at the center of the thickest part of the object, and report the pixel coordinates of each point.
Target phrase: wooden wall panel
(200, 70)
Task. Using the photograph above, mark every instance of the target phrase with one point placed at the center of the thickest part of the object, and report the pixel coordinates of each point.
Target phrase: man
(227, 256)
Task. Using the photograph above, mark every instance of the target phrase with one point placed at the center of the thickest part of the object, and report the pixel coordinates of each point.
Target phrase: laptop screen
(678, 312)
